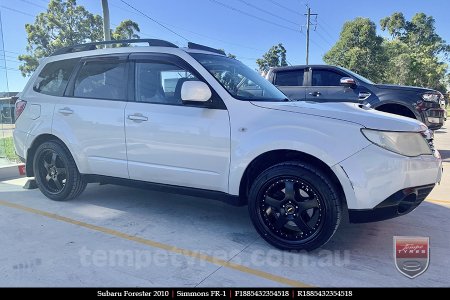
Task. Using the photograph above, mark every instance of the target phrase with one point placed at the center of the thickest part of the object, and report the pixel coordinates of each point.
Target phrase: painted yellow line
(169, 248)
(438, 201)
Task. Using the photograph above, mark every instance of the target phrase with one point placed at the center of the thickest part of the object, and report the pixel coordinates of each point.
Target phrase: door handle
(364, 95)
(65, 111)
(315, 94)
(137, 117)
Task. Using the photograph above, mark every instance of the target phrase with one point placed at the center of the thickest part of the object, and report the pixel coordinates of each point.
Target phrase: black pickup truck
(323, 83)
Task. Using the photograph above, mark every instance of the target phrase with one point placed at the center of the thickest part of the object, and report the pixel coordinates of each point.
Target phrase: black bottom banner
(219, 293)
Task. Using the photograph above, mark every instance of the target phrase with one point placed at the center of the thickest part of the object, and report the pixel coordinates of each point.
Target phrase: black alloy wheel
(56, 173)
(295, 206)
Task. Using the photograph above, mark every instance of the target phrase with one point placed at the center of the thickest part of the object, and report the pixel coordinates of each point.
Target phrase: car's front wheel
(56, 173)
(294, 206)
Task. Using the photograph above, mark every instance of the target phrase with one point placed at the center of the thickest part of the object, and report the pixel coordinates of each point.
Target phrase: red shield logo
(411, 254)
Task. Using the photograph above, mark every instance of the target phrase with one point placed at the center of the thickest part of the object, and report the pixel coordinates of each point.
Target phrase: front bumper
(399, 203)
(434, 118)
(372, 175)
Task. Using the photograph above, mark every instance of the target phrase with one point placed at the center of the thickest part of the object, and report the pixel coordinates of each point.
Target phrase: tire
(56, 173)
(294, 206)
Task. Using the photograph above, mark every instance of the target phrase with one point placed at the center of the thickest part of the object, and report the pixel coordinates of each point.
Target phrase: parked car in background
(323, 83)
(193, 121)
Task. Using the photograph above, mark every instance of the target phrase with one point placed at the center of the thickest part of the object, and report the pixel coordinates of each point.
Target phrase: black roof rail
(205, 48)
(93, 46)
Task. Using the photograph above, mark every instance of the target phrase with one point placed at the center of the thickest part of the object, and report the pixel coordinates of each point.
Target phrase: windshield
(239, 80)
(357, 76)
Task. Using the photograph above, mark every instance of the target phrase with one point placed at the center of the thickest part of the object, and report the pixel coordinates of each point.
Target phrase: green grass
(7, 149)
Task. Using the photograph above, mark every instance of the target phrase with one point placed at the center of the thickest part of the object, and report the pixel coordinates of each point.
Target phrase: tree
(275, 57)
(230, 55)
(395, 24)
(416, 52)
(359, 48)
(63, 24)
(419, 32)
(125, 31)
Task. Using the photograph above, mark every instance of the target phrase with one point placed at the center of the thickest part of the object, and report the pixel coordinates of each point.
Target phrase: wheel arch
(273, 157)
(397, 107)
(39, 140)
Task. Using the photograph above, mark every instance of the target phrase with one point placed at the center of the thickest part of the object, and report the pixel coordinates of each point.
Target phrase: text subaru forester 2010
(193, 121)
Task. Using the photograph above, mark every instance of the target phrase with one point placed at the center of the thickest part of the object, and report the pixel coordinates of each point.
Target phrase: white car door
(91, 116)
(172, 142)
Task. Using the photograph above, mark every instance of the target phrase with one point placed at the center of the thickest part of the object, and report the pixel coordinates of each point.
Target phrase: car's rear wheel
(294, 206)
(56, 173)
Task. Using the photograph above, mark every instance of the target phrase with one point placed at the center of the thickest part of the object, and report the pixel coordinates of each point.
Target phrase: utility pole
(106, 26)
(4, 54)
(308, 24)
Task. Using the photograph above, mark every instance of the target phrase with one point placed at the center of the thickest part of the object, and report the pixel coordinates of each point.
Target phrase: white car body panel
(94, 133)
(329, 140)
(375, 174)
(36, 119)
(179, 145)
(350, 112)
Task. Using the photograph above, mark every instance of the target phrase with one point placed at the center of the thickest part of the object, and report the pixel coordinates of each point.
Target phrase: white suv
(192, 121)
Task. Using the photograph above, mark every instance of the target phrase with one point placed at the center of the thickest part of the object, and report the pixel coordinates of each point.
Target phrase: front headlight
(404, 143)
(432, 97)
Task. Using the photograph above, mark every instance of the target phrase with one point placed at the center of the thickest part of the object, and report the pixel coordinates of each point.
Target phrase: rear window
(101, 80)
(53, 78)
(289, 78)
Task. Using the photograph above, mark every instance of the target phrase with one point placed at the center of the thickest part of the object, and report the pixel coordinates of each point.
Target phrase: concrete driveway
(119, 236)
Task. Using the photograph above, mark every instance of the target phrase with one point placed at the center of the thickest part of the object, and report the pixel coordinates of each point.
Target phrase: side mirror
(195, 91)
(348, 82)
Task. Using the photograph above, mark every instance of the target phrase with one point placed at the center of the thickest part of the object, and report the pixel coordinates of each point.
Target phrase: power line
(34, 4)
(264, 20)
(314, 23)
(216, 39)
(14, 61)
(326, 31)
(154, 20)
(140, 32)
(10, 69)
(253, 16)
(284, 7)
(323, 38)
(268, 12)
(246, 58)
(17, 11)
(1, 50)
(193, 32)
(10, 56)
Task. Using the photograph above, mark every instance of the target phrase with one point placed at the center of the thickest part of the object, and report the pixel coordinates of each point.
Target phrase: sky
(246, 28)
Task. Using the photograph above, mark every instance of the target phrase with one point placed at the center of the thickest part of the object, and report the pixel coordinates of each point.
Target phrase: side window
(53, 78)
(101, 80)
(325, 78)
(160, 82)
(290, 78)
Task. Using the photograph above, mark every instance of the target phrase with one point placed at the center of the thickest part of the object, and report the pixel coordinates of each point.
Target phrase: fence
(7, 117)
